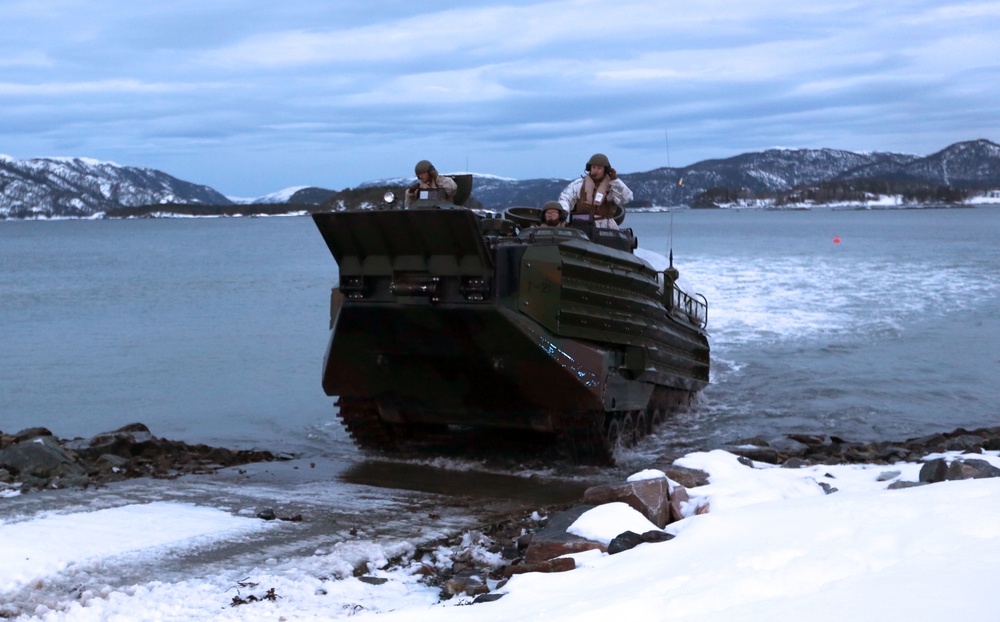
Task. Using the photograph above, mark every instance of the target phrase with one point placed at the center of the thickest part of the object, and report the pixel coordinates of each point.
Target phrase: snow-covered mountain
(971, 164)
(81, 187)
(281, 196)
(77, 187)
(773, 170)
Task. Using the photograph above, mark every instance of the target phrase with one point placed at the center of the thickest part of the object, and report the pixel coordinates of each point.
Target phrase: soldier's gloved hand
(414, 187)
(612, 174)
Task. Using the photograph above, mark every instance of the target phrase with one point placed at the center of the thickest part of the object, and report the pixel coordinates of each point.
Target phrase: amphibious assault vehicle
(446, 317)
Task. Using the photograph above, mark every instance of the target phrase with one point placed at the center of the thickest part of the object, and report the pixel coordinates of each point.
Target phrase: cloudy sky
(252, 96)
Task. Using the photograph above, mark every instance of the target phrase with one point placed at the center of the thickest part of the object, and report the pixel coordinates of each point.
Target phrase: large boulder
(687, 477)
(971, 468)
(649, 497)
(40, 460)
(127, 441)
(940, 470)
(630, 539)
(553, 540)
(559, 564)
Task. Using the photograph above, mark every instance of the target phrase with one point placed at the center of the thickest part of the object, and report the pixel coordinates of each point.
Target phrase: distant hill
(82, 188)
(779, 172)
(973, 164)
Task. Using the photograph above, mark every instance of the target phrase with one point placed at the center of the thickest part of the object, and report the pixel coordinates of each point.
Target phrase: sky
(773, 545)
(251, 97)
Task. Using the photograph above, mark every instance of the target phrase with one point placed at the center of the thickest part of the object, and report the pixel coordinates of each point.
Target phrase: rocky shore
(34, 459)
(539, 544)
(475, 564)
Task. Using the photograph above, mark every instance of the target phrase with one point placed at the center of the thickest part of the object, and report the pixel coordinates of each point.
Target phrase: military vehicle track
(586, 437)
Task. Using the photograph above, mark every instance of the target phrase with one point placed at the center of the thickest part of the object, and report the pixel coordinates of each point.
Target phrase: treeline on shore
(846, 191)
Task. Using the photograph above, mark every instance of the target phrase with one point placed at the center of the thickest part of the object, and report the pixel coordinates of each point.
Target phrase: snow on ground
(775, 545)
(991, 197)
(34, 549)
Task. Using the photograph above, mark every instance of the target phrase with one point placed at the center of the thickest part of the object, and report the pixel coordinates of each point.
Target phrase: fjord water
(213, 330)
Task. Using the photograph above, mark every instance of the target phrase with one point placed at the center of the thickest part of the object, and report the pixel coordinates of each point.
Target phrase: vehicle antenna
(666, 137)
(671, 239)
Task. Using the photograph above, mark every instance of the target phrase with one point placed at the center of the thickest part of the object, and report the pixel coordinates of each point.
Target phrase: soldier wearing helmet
(553, 215)
(597, 194)
(428, 179)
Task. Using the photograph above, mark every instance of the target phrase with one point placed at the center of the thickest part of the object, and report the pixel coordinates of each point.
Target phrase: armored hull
(443, 317)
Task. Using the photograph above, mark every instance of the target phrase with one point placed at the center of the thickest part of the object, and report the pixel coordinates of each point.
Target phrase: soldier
(597, 194)
(428, 179)
(553, 215)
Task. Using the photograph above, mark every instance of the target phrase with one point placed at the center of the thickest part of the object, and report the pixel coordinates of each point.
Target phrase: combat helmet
(553, 205)
(600, 160)
(425, 166)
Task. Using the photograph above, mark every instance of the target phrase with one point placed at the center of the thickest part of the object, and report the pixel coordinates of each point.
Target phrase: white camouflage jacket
(620, 193)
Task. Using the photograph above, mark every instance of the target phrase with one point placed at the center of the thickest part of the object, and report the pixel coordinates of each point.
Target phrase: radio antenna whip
(666, 138)
(671, 238)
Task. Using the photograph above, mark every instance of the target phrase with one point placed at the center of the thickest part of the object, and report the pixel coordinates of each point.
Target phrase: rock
(41, 458)
(885, 476)
(795, 463)
(892, 453)
(759, 454)
(677, 497)
(971, 469)
(266, 514)
(689, 478)
(787, 446)
(424, 570)
(118, 442)
(992, 443)
(464, 584)
(373, 580)
(902, 484)
(553, 541)
(561, 564)
(113, 460)
(965, 442)
(487, 598)
(629, 540)
(599, 495)
(30, 433)
(858, 453)
(809, 440)
(523, 541)
(649, 497)
(929, 444)
(934, 471)
(938, 470)
(623, 542)
(656, 536)
(510, 552)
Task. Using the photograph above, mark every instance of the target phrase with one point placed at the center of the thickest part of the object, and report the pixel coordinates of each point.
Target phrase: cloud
(520, 84)
(109, 87)
(28, 59)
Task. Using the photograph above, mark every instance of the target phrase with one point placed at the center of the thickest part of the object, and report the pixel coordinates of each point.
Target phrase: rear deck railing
(695, 308)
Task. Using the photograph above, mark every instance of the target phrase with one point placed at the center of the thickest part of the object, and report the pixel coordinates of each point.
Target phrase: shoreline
(34, 459)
